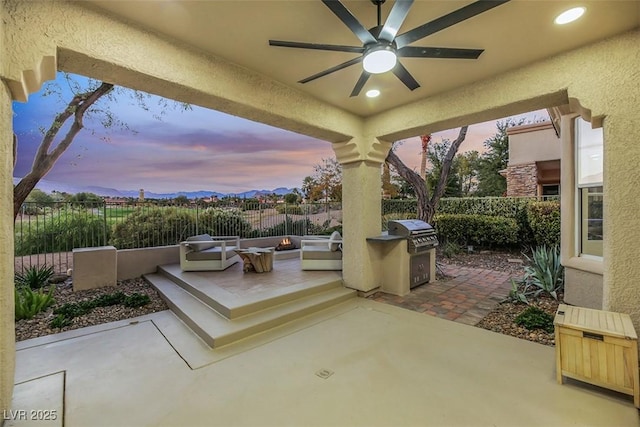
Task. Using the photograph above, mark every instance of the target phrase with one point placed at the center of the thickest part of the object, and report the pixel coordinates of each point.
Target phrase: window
(589, 143)
(551, 190)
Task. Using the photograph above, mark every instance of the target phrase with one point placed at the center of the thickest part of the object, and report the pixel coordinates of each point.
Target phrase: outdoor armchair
(205, 252)
(321, 253)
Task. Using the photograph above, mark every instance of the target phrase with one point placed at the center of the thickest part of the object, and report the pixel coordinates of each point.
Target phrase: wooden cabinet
(598, 347)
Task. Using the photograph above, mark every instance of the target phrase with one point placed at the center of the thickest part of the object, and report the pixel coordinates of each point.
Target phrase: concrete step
(233, 306)
(217, 330)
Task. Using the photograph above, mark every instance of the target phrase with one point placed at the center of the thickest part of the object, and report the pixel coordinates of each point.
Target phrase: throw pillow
(334, 241)
(202, 238)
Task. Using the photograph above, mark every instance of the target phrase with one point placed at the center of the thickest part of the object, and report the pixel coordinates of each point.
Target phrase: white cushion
(201, 246)
(335, 241)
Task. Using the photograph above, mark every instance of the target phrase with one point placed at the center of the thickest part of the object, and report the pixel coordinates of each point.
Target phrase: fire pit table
(259, 260)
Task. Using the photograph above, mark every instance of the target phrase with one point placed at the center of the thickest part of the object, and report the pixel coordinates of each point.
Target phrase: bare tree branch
(44, 160)
(446, 166)
(427, 206)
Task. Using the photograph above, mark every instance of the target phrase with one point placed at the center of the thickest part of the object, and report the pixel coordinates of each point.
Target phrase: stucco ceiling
(513, 35)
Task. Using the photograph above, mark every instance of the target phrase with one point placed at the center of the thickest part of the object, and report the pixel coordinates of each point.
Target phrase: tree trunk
(423, 159)
(44, 160)
(427, 206)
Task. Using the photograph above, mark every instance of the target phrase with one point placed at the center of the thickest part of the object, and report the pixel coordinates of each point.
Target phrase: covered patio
(385, 366)
(359, 363)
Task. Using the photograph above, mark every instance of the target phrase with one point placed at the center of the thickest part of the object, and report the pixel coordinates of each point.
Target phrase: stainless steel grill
(421, 238)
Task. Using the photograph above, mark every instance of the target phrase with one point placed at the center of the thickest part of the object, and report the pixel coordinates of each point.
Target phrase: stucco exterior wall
(533, 143)
(7, 333)
(583, 288)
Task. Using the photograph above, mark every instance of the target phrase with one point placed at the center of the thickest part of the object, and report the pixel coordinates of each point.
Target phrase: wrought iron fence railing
(47, 233)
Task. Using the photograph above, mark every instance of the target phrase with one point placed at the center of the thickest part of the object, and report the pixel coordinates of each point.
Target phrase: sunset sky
(192, 150)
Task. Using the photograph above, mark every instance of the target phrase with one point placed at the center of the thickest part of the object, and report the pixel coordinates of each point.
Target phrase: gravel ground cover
(502, 318)
(40, 324)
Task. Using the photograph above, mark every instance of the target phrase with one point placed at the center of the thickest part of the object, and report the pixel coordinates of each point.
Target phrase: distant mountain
(51, 186)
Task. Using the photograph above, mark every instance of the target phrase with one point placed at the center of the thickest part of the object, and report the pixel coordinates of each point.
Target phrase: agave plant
(545, 274)
(35, 277)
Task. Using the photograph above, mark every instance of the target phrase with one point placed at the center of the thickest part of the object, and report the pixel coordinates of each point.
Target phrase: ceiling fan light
(372, 93)
(569, 15)
(379, 60)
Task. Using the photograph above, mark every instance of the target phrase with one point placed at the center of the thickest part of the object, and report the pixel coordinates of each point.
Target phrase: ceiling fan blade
(395, 19)
(332, 69)
(439, 52)
(350, 21)
(405, 77)
(360, 84)
(445, 21)
(301, 45)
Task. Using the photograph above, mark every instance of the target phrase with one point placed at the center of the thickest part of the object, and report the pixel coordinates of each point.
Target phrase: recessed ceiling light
(373, 93)
(569, 15)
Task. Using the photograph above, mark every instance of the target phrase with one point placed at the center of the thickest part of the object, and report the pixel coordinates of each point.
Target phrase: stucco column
(621, 290)
(7, 328)
(361, 160)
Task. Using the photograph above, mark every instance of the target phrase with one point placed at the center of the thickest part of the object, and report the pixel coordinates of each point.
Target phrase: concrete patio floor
(359, 363)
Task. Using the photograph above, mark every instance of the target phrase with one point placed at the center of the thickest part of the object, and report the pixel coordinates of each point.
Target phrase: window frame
(585, 248)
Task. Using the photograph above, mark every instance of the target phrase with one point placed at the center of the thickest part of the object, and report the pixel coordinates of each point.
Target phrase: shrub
(289, 226)
(144, 228)
(450, 249)
(62, 232)
(289, 209)
(544, 275)
(35, 277)
(28, 303)
(136, 300)
(65, 313)
(544, 220)
(60, 321)
(477, 230)
(535, 318)
(224, 222)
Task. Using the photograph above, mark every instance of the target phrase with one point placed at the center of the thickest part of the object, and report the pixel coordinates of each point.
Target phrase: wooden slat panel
(619, 359)
(585, 360)
(611, 363)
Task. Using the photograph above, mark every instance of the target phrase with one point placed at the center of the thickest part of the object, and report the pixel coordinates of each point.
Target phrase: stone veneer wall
(522, 180)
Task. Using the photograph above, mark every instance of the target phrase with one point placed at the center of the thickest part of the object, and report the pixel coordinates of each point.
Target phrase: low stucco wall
(132, 263)
(583, 288)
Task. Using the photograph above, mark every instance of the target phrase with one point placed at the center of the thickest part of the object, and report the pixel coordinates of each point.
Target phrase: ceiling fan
(381, 46)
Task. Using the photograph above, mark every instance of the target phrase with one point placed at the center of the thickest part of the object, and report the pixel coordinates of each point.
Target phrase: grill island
(408, 255)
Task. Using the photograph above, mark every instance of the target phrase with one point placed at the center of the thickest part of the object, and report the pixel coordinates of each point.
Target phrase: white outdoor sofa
(321, 253)
(205, 252)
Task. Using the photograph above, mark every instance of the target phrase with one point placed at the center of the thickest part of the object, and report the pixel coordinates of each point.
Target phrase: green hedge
(289, 209)
(477, 230)
(145, 228)
(62, 232)
(223, 222)
(544, 219)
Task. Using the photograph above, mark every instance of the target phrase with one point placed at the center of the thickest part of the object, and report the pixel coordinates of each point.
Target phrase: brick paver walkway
(467, 294)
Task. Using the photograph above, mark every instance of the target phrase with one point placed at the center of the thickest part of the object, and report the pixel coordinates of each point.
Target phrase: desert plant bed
(41, 324)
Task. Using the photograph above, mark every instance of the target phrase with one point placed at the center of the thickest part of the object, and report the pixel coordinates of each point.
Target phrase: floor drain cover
(324, 373)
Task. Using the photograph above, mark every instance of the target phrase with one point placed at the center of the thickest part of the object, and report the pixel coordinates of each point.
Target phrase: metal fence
(47, 233)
